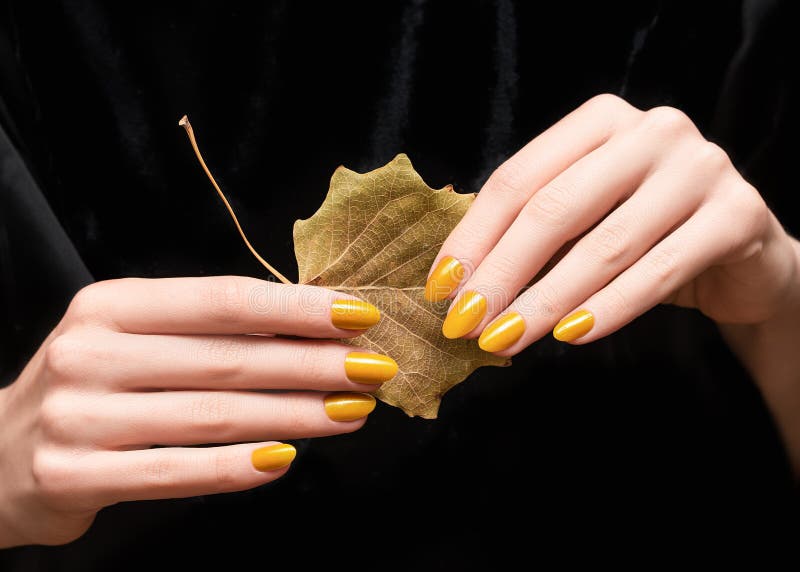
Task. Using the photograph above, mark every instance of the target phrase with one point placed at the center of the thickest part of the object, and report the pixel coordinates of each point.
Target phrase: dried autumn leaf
(375, 236)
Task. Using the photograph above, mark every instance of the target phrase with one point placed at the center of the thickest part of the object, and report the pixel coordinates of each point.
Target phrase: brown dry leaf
(375, 236)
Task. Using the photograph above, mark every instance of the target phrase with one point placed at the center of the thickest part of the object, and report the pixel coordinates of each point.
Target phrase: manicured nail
(354, 314)
(502, 333)
(444, 279)
(465, 313)
(574, 326)
(349, 406)
(369, 368)
(273, 457)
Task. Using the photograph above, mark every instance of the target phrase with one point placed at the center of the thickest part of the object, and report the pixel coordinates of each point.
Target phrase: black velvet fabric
(652, 438)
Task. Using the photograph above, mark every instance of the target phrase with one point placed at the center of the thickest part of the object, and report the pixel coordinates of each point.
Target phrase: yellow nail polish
(444, 279)
(364, 367)
(273, 457)
(349, 406)
(503, 333)
(465, 313)
(574, 326)
(354, 314)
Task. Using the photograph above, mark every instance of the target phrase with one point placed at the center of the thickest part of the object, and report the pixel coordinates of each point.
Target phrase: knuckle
(667, 122)
(56, 416)
(508, 179)
(712, 157)
(223, 298)
(66, 357)
(609, 243)
(311, 304)
(552, 206)
(213, 414)
(54, 475)
(662, 265)
(502, 269)
(84, 304)
(159, 472)
(746, 201)
(611, 111)
(226, 475)
(224, 357)
(297, 419)
(548, 301)
(311, 358)
(615, 301)
(607, 103)
(747, 207)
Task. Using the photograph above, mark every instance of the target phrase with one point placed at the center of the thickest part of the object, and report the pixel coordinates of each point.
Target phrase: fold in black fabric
(654, 425)
(41, 268)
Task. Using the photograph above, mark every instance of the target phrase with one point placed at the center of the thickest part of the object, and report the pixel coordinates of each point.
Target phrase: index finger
(221, 305)
(515, 182)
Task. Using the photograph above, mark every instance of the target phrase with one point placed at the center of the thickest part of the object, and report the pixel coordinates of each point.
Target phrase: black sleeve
(40, 267)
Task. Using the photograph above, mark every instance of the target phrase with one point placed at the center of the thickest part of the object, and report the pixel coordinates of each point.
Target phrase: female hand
(646, 210)
(136, 363)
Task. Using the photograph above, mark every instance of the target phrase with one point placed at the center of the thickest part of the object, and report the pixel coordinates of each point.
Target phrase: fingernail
(364, 367)
(354, 314)
(466, 313)
(574, 326)
(273, 457)
(502, 333)
(444, 279)
(349, 406)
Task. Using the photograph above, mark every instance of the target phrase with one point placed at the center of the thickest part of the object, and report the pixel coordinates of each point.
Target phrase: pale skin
(136, 363)
(651, 213)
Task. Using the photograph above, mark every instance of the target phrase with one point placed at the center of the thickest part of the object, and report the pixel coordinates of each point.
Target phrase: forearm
(771, 353)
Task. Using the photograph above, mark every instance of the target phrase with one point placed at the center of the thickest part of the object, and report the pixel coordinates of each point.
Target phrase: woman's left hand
(644, 211)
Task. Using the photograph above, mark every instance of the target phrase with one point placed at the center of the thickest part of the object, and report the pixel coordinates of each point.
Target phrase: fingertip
(502, 333)
(348, 406)
(574, 326)
(366, 388)
(273, 457)
(444, 279)
(369, 367)
(352, 426)
(352, 314)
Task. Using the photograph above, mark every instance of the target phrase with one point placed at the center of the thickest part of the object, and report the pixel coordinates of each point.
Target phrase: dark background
(653, 438)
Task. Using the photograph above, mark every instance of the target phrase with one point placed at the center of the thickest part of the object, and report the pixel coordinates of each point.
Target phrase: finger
(704, 240)
(138, 362)
(116, 476)
(221, 305)
(514, 182)
(566, 207)
(138, 420)
(663, 202)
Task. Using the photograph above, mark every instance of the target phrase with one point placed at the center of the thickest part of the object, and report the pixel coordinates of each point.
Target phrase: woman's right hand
(170, 362)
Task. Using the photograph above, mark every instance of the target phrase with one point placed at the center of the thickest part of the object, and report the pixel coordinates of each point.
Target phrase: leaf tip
(401, 159)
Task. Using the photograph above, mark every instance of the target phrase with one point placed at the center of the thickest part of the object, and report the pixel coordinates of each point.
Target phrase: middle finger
(141, 362)
(139, 420)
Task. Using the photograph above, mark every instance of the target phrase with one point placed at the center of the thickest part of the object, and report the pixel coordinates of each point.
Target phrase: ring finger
(139, 420)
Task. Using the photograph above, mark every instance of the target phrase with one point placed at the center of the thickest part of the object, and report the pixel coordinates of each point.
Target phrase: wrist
(768, 351)
(9, 535)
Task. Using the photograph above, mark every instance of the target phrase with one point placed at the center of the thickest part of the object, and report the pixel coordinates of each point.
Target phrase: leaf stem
(184, 122)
